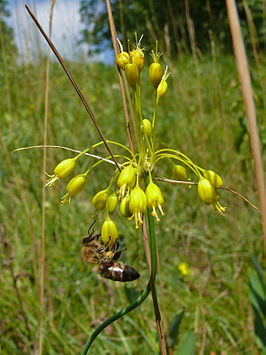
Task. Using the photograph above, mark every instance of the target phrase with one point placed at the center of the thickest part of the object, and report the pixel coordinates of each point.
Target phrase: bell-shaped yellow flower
(99, 200)
(126, 180)
(137, 57)
(155, 74)
(62, 170)
(162, 87)
(112, 203)
(109, 232)
(147, 128)
(180, 173)
(122, 59)
(214, 178)
(124, 206)
(206, 191)
(75, 185)
(137, 204)
(154, 199)
(132, 74)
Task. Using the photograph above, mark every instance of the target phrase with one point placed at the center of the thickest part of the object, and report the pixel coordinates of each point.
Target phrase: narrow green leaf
(260, 330)
(174, 327)
(257, 266)
(188, 345)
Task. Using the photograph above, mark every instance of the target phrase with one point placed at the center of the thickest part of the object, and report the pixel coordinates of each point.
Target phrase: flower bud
(147, 128)
(137, 57)
(155, 74)
(132, 74)
(126, 180)
(124, 206)
(112, 203)
(99, 200)
(214, 178)
(75, 185)
(162, 88)
(109, 232)
(137, 204)
(122, 59)
(206, 191)
(180, 173)
(154, 199)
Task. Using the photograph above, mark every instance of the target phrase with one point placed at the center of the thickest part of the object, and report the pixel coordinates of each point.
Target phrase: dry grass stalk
(42, 260)
(244, 77)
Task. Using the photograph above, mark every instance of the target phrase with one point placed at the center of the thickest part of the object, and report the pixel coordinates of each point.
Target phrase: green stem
(116, 316)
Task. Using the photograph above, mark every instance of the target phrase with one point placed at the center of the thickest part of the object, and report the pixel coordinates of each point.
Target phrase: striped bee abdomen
(118, 272)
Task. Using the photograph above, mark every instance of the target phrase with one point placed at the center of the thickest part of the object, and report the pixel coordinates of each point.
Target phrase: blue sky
(65, 33)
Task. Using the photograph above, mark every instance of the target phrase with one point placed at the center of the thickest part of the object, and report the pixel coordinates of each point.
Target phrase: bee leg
(91, 227)
(115, 246)
(90, 238)
(118, 254)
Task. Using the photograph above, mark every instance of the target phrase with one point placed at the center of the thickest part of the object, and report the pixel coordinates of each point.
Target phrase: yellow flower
(75, 185)
(122, 59)
(209, 195)
(147, 128)
(112, 203)
(155, 74)
(126, 180)
(183, 268)
(99, 200)
(137, 204)
(132, 74)
(214, 178)
(124, 206)
(154, 199)
(206, 191)
(137, 57)
(62, 170)
(180, 173)
(162, 87)
(109, 232)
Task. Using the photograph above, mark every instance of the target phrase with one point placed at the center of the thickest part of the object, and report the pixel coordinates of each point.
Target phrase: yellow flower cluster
(134, 200)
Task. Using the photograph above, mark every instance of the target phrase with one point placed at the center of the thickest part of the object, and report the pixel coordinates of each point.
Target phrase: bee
(96, 252)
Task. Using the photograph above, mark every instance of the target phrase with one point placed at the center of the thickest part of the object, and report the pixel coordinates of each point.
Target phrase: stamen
(120, 45)
(139, 42)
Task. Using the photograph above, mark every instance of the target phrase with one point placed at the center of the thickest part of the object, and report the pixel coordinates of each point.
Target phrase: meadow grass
(214, 295)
